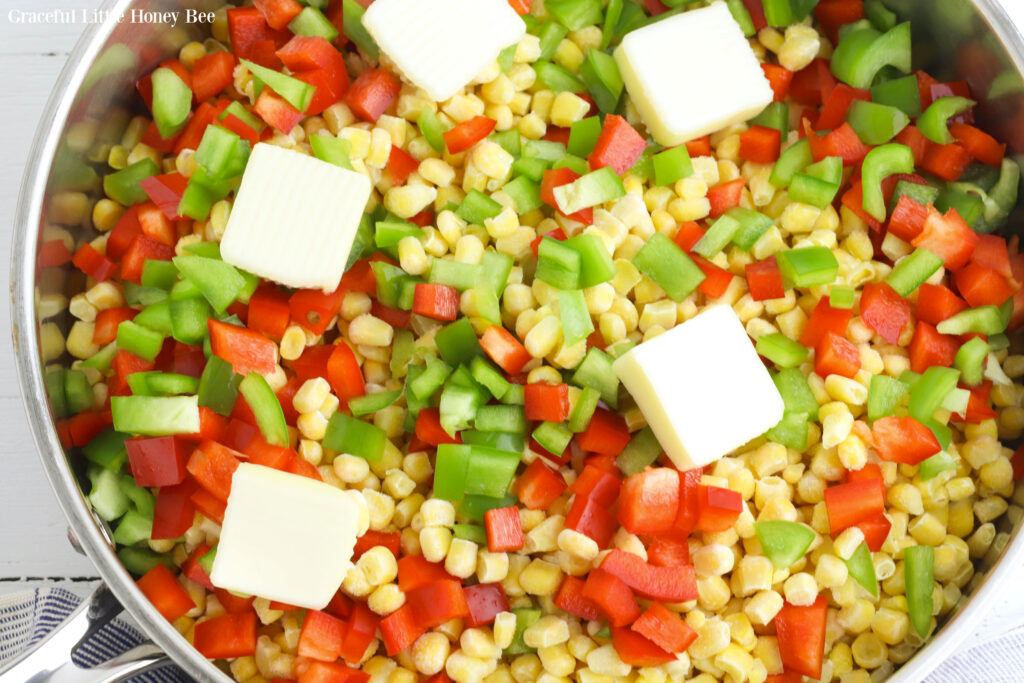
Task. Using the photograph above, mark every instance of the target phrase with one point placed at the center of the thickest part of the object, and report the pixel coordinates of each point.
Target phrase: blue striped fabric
(26, 618)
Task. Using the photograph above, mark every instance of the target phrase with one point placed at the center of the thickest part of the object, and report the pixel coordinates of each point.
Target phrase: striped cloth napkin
(26, 617)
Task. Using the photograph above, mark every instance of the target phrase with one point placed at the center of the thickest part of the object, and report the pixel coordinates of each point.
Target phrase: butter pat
(702, 388)
(441, 45)
(294, 218)
(692, 74)
(285, 537)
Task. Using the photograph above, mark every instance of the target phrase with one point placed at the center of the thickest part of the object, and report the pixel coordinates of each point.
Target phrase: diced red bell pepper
(362, 629)
(125, 364)
(876, 530)
(269, 313)
(313, 309)
(699, 147)
(278, 13)
(559, 134)
(330, 87)
(981, 286)
(787, 676)
(649, 501)
(415, 571)
(504, 349)
(246, 350)
(853, 199)
(636, 650)
(547, 402)
(158, 460)
(764, 279)
(252, 38)
(756, 11)
(664, 551)
(213, 465)
(539, 486)
(668, 584)
(400, 166)
(570, 599)
(438, 602)
(125, 231)
(276, 112)
(162, 589)
(174, 512)
(618, 146)
(852, 502)
(521, 6)
(606, 433)
(612, 596)
(884, 311)
(468, 133)
(165, 192)
(935, 303)
(321, 636)
(992, 252)
(825, 319)
(392, 316)
(717, 508)
(841, 142)
(152, 220)
(327, 672)
(689, 504)
(504, 529)
(391, 540)
(212, 74)
(556, 177)
(908, 218)
(760, 144)
(832, 14)
(835, 108)
(779, 78)
(716, 280)
(978, 406)
(209, 505)
(946, 161)
(903, 440)
(344, 374)
(664, 628)
(836, 355)
(53, 253)
(439, 302)
(84, 427)
(93, 263)
(812, 85)
(979, 144)
(913, 138)
(594, 482)
(688, 235)
(227, 636)
(371, 94)
(725, 196)
(592, 519)
(429, 429)
(801, 634)
(928, 347)
(399, 630)
(485, 600)
(107, 321)
(948, 237)
(194, 571)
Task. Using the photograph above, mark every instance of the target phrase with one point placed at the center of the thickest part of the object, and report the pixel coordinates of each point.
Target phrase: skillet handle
(49, 661)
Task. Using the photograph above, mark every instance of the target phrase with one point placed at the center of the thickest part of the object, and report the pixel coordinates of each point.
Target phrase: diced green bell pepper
(861, 54)
(295, 92)
(123, 186)
(784, 542)
(557, 79)
(470, 532)
(717, 236)
(934, 122)
(642, 450)
(775, 115)
(596, 372)
(218, 386)
(266, 408)
(558, 264)
(781, 350)
(219, 281)
(596, 264)
(583, 136)
(576, 322)
(106, 496)
(796, 393)
(808, 266)
(880, 163)
(575, 14)
(753, 225)
(970, 361)
(77, 391)
(346, 434)
(489, 471)
(785, 12)
(793, 159)
(584, 409)
(901, 93)
(884, 394)
(669, 267)
(875, 123)
(792, 431)
(742, 16)
(554, 437)
(929, 391)
(525, 618)
(312, 22)
(133, 528)
(935, 465)
(671, 165)
(982, 320)
(352, 19)
(155, 415)
(333, 150)
(596, 187)
(457, 343)
(432, 128)
(862, 569)
(189, 320)
(477, 207)
(919, 576)
(107, 450)
(159, 274)
(600, 73)
(525, 194)
(912, 271)
(141, 341)
(172, 102)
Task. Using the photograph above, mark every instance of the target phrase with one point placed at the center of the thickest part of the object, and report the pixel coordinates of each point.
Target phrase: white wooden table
(33, 542)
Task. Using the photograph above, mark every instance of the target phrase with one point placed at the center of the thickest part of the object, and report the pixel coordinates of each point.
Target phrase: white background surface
(33, 544)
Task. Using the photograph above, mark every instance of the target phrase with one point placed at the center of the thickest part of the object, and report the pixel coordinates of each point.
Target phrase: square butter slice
(441, 45)
(702, 388)
(285, 537)
(692, 74)
(294, 218)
